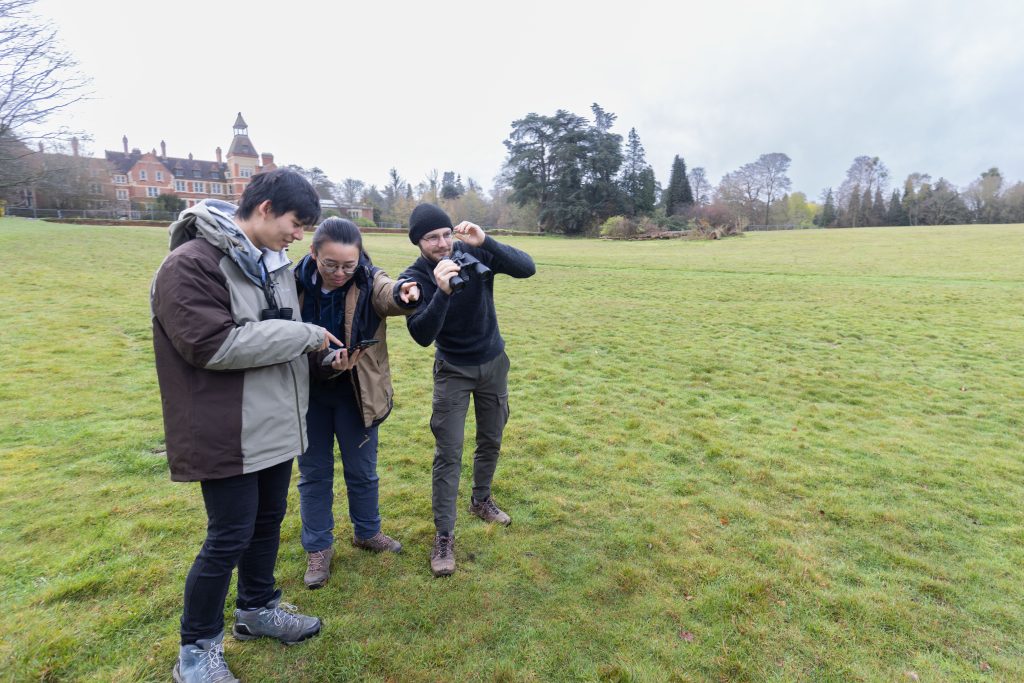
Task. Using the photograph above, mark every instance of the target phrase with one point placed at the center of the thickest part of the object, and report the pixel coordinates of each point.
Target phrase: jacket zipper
(298, 408)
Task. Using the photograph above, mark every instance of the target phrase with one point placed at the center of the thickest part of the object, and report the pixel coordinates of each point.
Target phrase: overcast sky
(358, 88)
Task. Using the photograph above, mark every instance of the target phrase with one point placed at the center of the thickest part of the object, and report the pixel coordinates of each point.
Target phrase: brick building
(140, 177)
(132, 180)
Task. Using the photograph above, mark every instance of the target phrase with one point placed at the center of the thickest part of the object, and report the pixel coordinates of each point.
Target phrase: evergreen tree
(878, 213)
(637, 180)
(647, 194)
(827, 218)
(603, 161)
(567, 167)
(679, 195)
(853, 208)
(896, 215)
(865, 208)
(449, 185)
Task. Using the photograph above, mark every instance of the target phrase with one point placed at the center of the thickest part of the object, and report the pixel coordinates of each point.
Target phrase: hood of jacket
(212, 220)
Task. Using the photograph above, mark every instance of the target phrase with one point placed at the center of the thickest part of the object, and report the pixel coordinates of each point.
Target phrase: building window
(94, 188)
(215, 188)
(197, 173)
(142, 175)
(247, 173)
(179, 185)
(198, 187)
(159, 176)
(178, 173)
(122, 194)
(121, 179)
(152, 191)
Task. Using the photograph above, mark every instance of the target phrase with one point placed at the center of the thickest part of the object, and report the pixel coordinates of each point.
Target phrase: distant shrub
(364, 222)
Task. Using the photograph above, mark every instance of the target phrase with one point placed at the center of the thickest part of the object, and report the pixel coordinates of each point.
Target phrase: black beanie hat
(426, 218)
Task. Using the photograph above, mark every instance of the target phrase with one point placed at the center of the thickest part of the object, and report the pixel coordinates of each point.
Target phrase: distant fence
(94, 214)
(137, 217)
(778, 226)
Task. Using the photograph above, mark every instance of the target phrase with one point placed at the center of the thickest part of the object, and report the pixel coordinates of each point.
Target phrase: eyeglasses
(331, 267)
(434, 239)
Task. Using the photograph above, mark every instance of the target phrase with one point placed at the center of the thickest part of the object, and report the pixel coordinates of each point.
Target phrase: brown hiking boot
(318, 568)
(442, 558)
(378, 544)
(489, 512)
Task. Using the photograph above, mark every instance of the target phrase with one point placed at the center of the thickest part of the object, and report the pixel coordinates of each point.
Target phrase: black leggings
(243, 528)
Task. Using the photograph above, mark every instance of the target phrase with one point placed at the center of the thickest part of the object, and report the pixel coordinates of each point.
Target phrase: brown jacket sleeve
(386, 296)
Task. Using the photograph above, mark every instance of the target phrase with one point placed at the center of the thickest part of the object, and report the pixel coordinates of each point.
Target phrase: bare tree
(700, 186)
(431, 186)
(350, 190)
(38, 79)
(983, 196)
(769, 172)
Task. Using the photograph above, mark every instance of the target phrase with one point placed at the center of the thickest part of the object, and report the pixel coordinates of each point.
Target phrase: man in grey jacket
(230, 357)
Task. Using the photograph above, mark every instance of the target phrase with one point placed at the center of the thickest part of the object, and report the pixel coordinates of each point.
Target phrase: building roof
(241, 146)
(240, 122)
(179, 168)
(122, 162)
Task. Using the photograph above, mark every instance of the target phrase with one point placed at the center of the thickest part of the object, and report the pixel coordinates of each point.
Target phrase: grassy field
(789, 456)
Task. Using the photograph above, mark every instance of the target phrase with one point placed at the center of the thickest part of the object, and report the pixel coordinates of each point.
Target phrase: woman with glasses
(350, 388)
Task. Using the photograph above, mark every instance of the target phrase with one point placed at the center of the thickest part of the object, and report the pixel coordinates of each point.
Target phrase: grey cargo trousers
(453, 384)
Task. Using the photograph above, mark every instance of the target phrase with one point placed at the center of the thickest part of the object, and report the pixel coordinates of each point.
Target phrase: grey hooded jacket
(234, 388)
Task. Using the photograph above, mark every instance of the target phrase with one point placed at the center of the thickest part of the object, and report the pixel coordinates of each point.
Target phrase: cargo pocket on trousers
(503, 402)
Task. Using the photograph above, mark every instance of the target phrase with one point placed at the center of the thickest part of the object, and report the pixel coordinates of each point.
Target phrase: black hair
(286, 190)
(339, 230)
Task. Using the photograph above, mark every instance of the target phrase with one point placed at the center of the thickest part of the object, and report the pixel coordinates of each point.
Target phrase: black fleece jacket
(464, 325)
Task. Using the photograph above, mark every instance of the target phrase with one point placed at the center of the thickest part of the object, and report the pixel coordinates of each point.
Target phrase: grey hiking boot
(489, 512)
(318, 568)
(442, 557)
(378, 543)
(203, 662)
(277, 620)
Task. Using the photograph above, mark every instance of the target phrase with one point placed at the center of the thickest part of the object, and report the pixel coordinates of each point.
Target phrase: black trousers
(243, 529)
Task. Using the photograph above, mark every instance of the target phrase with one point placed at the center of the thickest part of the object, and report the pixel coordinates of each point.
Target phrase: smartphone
(366, 343)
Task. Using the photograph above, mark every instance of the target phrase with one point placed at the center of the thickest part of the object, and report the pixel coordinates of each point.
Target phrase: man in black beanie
(469, 359)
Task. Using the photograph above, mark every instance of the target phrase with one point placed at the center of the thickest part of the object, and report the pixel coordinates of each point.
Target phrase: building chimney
(40, 148)
(125, 141)
(268, 159)
(190, 156)
(74, 146)
(163, 149)
(219, 152)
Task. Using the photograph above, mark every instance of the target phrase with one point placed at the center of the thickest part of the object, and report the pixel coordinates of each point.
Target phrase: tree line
(563, 172)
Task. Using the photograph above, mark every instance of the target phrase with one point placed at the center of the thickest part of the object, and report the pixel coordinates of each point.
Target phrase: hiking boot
(318, 568)
(442, 557)
(203, 662)
(378, 543)
(489, 512)
(277, 620)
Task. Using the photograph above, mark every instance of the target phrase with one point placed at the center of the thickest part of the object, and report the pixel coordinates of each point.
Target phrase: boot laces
(285, 615)
(212, 661)
(318, 560)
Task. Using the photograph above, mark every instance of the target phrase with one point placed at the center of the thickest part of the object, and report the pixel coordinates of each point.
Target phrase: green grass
(802, 448)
